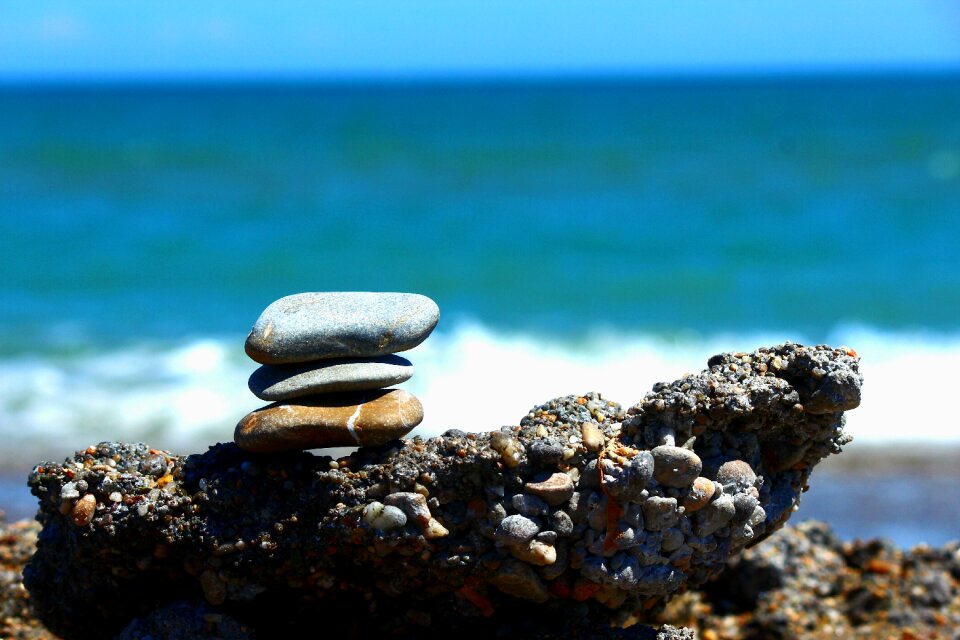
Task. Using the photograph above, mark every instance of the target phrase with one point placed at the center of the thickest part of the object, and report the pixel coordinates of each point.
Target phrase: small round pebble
(412, 504)
(675, 466)
(593, 438)
(535, 552)
(383, 517)
(700, 494)
(561, 522)
(737, 472)
(515, 529)
(529, 505)
(82, 512)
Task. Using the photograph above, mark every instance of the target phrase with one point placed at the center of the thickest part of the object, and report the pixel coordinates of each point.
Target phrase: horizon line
(441, 77)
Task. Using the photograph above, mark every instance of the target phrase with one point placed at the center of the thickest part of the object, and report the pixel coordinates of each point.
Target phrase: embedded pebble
(593, 438)
(434, 529)
(700, 494)
(660, 513)
(519, 580)
(590, 476)
(529, 505)
(69, 491)
(510, 450)
(336, 420)
(597, 511)
(633, 514)
(383, 517)
(672, 540)
(715, 515)
(737, 472)
(555, 490)
(496, 513)
(561, 523)
(628, 481)
(545, 452)
(549, 537)
(313, 326)
(534, 552)
(285, 381)
(744, 503)
(515, 529)
(675, 466)
(82, 512)
(412, 504)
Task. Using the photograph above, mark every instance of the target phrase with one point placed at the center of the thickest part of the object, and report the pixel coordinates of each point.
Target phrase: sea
(578, 235)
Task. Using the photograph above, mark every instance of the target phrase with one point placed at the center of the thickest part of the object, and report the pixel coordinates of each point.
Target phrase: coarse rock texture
(285, 381)
(270, 539)
(17, 544)
(312, 326)
(804, 584)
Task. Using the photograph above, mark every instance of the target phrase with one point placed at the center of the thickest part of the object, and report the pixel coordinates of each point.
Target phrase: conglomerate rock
(580, 517)
(805, 584)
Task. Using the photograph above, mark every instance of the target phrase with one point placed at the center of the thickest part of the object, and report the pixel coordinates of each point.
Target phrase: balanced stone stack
(327, 358)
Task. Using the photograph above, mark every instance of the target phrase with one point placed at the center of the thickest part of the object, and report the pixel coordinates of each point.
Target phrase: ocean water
(577, 236)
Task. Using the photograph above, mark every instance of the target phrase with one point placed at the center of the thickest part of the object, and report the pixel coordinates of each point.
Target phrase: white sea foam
(185, 396)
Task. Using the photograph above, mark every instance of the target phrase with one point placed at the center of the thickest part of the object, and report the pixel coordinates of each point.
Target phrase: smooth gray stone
(286, 381)
(314, 326)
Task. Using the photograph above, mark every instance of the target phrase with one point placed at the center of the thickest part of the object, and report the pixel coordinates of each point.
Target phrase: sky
(52, 39)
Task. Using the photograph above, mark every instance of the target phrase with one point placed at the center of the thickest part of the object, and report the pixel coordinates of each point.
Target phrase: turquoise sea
(576, 235)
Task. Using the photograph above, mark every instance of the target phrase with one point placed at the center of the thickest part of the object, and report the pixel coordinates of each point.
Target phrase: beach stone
(412, 504)
(675, 466)
(660, 513)
(593, 438)
(737, 472)
(286, 381)
(515, 529)
(561, 522)
(83, 511)
(627, 481)
(700, 494)
(555, 490)
(534, 552)
(384, 517)
(529, 505)
(314, 326)
(361, 418)
(715, 515)
(745, 504)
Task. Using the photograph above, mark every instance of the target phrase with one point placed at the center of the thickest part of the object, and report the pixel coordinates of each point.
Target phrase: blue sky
(404, 38)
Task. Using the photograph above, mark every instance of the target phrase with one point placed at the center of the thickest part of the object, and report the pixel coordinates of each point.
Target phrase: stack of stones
(327, 358)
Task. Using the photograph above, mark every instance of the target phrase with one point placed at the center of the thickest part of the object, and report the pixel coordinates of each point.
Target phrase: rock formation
(582, 516)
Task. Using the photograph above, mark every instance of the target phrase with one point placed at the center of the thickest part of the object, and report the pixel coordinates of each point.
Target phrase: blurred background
(599, 196)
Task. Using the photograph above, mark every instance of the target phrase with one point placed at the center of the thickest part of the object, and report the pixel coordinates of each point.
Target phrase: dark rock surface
(804, 583)
(270, 540)
(17, 543)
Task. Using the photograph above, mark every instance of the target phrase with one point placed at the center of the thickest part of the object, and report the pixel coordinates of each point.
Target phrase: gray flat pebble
(313, 326)
(529, 505)
(285, 381)
(515, 529)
